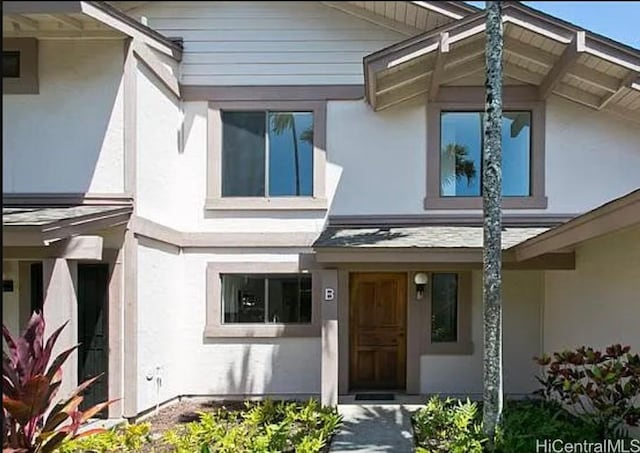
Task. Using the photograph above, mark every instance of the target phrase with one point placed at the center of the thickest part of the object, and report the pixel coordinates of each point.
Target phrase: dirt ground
(186, 411)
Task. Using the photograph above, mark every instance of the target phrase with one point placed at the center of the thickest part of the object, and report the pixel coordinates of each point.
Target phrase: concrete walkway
(375, 428)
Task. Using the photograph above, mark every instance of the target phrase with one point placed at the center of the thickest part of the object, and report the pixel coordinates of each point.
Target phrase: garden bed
(221, 426)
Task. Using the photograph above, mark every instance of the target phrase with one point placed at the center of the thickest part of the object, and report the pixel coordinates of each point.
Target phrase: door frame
(347, 292)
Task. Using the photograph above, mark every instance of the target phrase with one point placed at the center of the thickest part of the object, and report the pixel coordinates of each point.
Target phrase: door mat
(375, 397)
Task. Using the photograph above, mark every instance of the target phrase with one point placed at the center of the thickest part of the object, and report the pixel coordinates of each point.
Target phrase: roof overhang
(540, 51)
(619, 214)
(30, 226)
(432, 246)
(84, 19)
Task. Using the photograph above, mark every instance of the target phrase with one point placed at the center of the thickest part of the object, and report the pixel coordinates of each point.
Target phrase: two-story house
(241, 199)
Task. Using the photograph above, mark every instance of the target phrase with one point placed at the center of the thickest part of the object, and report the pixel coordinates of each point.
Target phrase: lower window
(266, 298)
(444, 308)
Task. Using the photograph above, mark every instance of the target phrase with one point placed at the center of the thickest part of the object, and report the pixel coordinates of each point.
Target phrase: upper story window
(267, 154)
(455, 135)
(19, 66)
(461, 148)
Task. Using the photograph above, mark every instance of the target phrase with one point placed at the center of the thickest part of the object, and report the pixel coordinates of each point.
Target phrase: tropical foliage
(32, 421)
(266, 426)
(600, 387)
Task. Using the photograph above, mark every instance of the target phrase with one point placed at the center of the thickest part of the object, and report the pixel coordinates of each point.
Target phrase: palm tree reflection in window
(285, 121)
(464, 167)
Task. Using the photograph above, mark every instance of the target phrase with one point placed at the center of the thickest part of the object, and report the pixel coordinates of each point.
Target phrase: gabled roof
(406, 17)
(540, 50)
(616, 215)
(57, 19)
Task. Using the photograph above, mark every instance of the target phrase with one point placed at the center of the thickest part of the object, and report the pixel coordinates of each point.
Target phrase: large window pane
(460, 154)
(290, 153)
(276, 298)
(243, 298)
(289, 299)
(516, 158)
(461, 135)
(444, 308)
(243, 154)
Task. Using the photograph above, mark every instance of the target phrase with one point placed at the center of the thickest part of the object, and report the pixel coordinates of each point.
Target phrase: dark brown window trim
(463, 345)
(27, 83)
(214, 199)
(433, 198)
(215, 328)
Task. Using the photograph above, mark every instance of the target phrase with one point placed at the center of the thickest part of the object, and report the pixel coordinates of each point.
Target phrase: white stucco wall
(68, 138)
(171, 320)
(383, 155)
(161, 346)
(522, 298)
(11, 300)
(598, 303)
(158, 167)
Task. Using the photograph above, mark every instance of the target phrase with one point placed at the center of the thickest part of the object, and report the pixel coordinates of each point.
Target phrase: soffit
(548, 55)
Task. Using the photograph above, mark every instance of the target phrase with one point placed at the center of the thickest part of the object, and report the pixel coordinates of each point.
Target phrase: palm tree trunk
(295, 153)
(492, 198)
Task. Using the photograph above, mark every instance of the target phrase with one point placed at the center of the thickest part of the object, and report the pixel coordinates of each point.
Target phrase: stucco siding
(591, 158)
(238, 366)
(598, 304)
(11, 299)
(160, 327)
(159, 161)
(69, 137)
(522, 298)
(267, 43)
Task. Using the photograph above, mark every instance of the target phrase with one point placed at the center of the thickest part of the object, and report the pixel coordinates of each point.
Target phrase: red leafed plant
(32, 423)
(601, 387)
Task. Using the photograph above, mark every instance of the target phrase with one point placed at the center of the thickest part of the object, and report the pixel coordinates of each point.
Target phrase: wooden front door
(377, 330)
(93, 353)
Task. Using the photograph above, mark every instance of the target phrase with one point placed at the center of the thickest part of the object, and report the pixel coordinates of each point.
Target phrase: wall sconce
(420, 279)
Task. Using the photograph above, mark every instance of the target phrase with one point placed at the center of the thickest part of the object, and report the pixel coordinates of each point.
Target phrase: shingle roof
(424, 236)
(18, 216)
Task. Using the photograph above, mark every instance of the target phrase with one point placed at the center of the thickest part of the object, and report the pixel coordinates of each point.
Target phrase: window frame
(469, 102)
(216, 328)
(463, 344)
(266, 277)
(214, 199)
(28, 82)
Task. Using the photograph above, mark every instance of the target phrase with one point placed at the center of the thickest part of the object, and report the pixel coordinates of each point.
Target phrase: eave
(81, 20)
(541, 52)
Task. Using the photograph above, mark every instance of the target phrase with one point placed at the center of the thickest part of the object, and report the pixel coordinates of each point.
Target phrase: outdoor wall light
(420, 279)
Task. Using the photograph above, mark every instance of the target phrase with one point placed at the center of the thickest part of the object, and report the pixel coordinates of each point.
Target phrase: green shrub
(600, 387)
(263, 427)
(448, 426)
(127, 439)
(525, 421)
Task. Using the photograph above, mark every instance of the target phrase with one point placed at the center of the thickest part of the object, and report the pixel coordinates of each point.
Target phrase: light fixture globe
(421, 278)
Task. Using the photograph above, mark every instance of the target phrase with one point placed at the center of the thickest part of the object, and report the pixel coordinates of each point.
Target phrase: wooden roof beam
(626, 83)
(69, 21)
(438, 71)
(24, 22)
(566, 61)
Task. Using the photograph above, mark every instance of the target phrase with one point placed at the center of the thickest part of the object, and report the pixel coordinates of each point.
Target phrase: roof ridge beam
(566, 61)
(438, 71)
